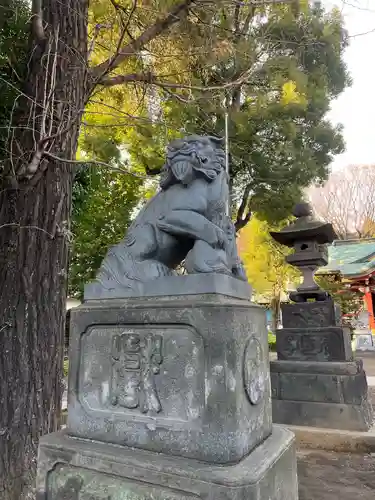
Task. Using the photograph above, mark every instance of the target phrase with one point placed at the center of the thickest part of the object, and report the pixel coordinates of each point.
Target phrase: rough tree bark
(35, 203)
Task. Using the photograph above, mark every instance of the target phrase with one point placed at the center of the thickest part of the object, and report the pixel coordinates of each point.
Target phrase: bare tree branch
(95, 162)
(150, 78)
(97, 29)
(123, 10)
(149, 34)
(347, 200)
(14, 224)
(243, 219)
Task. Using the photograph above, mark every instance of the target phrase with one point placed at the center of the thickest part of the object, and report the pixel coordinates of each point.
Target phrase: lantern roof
(351, 258)
(304, 228)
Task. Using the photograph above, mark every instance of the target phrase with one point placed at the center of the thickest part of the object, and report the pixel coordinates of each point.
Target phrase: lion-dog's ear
(183, 172)
(176, 144)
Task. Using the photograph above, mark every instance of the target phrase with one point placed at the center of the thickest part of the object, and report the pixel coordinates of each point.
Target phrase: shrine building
(354, 260)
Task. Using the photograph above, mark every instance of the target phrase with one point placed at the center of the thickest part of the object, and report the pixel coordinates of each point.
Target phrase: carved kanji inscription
(328, 344)
(142, 371)
(310, 346)
(136, 360)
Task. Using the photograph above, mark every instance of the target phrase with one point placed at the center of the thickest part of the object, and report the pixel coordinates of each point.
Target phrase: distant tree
(347, 200)
(265, 265)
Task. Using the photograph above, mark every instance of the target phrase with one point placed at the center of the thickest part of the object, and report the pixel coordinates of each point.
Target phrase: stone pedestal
(316, 381)
(74, 469)
(169, 398)
(186, 376)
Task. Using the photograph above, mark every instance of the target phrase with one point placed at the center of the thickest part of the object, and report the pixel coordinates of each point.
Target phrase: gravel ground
(336, 476)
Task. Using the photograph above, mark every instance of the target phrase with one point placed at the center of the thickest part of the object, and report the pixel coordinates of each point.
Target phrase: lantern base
(321, 394)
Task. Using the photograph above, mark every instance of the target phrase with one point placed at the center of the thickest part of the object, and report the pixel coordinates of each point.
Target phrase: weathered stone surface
(169, 386)
(193, 284)
(320, 394)
(72, 469)
(311, 314)
(313, 344)
(183, 376)
(333, 368)
(322, 388)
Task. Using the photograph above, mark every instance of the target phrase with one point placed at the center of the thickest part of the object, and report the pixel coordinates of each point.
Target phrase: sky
(355, 108)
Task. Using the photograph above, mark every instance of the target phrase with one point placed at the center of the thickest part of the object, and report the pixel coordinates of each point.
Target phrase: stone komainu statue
(185, 221)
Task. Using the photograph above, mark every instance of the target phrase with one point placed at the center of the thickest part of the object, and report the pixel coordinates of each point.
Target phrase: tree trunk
(35, 204)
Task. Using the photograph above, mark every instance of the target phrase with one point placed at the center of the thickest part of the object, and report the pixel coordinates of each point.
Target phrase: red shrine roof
(351, 258)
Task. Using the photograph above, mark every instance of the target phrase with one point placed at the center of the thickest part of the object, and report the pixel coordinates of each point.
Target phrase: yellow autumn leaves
(290, 94)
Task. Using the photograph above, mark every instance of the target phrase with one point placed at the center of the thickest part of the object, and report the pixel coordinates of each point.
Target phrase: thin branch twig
(161, 25)
(153, 79)
(15, 224)
(95, 162)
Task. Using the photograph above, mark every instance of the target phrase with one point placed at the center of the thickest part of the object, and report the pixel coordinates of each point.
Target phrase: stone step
(316, 438)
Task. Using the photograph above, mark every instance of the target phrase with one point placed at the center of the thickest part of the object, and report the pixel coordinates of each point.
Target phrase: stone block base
(331, 395)
(185, 376)
(71, 468)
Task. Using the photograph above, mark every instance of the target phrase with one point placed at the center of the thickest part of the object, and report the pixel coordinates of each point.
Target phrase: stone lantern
(315, 380)
(308, 237)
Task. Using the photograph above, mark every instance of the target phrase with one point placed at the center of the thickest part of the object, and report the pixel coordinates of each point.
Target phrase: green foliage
(271, 342)
(14, 16)
(103, 207)
(349, 300)
(104, 198)
(289, 67)
(116, 130)
(66, 367)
